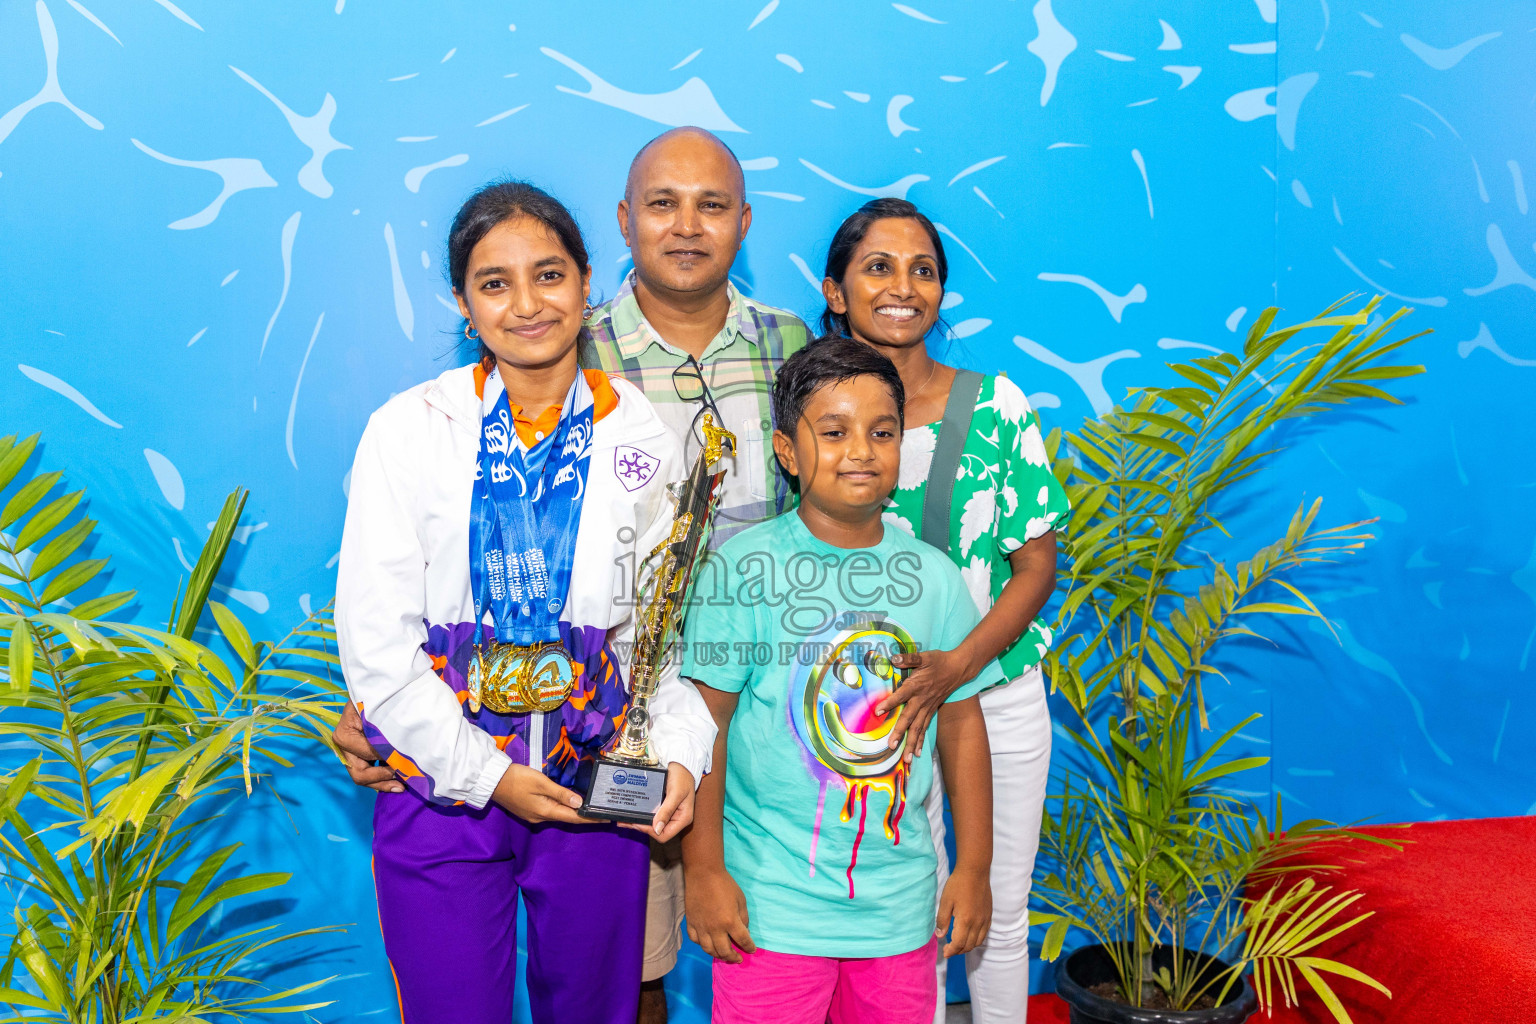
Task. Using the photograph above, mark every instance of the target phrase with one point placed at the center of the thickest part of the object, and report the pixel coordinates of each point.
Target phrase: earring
(586, 311)
(470, 334)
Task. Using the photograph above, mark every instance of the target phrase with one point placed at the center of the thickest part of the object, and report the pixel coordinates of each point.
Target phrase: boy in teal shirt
(815, 904)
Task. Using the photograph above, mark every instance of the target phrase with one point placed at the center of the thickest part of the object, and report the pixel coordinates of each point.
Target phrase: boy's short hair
(826, 361)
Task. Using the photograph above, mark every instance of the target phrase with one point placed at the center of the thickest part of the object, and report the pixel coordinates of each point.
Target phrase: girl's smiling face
(891, 291)
(524, 294)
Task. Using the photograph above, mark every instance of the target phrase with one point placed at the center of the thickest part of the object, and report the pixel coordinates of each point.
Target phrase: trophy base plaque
(624, 792)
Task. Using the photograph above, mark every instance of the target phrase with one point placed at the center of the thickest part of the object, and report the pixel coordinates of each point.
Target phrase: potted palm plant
(134, 737)
(1192, 896)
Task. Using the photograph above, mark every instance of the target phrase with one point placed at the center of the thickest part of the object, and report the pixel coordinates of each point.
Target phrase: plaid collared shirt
(738, 367)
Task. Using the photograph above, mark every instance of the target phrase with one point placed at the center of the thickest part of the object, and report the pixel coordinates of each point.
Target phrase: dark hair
(852, 232)
(828, 361)
(501, 201)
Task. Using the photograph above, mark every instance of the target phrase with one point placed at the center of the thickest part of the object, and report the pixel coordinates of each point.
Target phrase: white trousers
(1019, 732)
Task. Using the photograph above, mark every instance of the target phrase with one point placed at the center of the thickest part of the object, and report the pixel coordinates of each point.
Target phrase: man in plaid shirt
(678, 330)
(678, 320)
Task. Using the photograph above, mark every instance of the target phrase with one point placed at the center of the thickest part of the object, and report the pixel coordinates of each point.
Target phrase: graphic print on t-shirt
(832, 701)
(778, 624)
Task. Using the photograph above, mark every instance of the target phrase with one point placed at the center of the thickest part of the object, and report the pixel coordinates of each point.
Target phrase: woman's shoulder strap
(953, 430)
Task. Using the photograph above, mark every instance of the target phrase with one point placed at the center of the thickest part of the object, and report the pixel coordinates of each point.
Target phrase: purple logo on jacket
(633, 467)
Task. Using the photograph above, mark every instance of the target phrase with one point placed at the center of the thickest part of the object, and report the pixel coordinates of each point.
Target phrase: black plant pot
(1090, 965)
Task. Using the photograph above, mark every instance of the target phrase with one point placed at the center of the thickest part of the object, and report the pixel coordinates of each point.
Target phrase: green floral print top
(1005, 496)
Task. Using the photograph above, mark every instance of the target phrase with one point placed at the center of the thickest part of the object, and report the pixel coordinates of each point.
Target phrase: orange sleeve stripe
(404, 765)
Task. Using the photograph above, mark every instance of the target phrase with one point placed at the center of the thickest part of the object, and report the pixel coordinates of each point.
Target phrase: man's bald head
(684, 215)
(691, 145)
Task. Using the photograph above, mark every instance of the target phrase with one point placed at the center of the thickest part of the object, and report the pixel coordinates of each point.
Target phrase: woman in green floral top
(884, 284)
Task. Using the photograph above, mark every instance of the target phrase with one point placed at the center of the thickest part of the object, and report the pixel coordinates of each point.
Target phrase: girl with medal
(485, 595)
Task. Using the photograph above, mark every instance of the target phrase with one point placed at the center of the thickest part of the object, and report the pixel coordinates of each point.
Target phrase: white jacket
(405, 614)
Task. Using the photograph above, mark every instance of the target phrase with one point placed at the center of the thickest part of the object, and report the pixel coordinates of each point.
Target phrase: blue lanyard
(524, 515)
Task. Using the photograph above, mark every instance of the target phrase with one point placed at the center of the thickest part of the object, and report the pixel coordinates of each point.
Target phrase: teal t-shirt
(824, 830)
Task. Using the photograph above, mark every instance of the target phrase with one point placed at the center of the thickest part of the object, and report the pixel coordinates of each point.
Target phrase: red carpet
(1047, 1009)
(1454, 936)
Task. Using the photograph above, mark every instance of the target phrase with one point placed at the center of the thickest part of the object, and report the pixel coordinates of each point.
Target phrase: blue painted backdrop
(222, 232)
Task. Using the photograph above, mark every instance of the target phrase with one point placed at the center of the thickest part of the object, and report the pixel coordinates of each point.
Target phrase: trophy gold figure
(627, 781)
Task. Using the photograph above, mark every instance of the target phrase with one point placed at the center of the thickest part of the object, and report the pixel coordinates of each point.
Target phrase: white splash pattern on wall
(51, 92)
(690, 103)
(1052, 45)
(1154, 207)
(313, 131)
(237, 173)
(69, 391)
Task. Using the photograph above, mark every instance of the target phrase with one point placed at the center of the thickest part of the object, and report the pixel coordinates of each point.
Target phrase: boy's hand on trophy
(534, 797)
(931, 677)
(676, 810)
(967, 901)
(358, 755)
(716, 912)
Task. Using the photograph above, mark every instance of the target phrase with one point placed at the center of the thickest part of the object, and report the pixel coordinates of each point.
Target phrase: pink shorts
(785, 988)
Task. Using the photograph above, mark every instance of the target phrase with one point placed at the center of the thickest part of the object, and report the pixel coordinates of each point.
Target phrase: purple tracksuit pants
(448, 879)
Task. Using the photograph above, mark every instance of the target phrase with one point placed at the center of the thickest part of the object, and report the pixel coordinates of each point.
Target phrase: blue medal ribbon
(524, 515)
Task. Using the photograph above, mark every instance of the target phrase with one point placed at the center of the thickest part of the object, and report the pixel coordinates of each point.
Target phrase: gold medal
(546, 677)
(473, 677)
(498, 685)
(512, 680)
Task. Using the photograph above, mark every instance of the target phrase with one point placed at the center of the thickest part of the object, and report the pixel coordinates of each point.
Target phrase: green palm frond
(139, 734)
(1149, 850)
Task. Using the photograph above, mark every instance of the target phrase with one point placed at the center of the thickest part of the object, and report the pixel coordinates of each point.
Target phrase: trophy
(628, 783)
